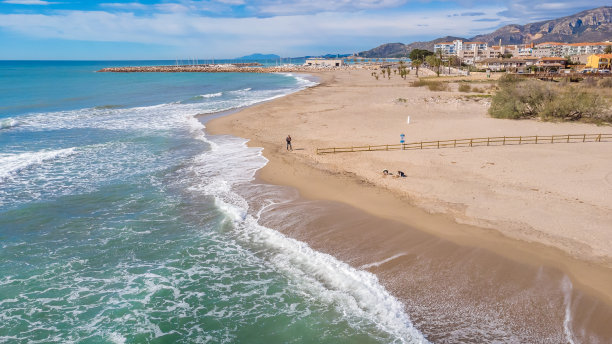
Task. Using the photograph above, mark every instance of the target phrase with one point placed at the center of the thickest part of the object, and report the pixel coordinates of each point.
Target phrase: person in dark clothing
(288, 139)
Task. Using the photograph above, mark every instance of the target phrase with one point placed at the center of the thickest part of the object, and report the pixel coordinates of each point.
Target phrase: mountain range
(593, 25)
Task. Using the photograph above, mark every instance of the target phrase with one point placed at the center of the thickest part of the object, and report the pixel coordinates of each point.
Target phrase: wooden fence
(473, 142)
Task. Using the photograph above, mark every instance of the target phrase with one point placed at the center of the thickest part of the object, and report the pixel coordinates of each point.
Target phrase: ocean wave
(355, 293)
(8, 123)
(241, 91)
(211, 95)
(13, 163)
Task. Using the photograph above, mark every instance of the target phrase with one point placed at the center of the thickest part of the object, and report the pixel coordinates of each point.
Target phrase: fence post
(599, 138)
(567, 138)
(520, 140)
(438, 144)
(455, 146)
(369, 148)
(504, 141)
(471, 142)
(536, 139)
(334, 149)
(421, 144)
(552, 138)
(584, 138)
(387, 147)
(488, 140)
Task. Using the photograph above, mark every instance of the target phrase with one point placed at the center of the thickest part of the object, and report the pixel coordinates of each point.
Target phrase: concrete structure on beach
(324, 62)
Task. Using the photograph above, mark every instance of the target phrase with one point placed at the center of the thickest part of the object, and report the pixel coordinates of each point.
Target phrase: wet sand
(452, 292)
(459, 282)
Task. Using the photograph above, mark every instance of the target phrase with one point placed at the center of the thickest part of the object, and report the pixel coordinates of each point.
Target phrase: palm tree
(417, 64)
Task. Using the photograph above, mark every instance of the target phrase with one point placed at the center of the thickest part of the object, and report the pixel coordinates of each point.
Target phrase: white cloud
(29, 2)
(528, 11)
(125, 5)
(208, 36)
(292, 7)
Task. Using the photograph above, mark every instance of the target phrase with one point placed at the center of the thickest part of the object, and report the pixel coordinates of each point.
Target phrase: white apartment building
(454, 47)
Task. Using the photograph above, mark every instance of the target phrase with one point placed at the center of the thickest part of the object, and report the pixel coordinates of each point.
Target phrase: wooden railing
(481, 141)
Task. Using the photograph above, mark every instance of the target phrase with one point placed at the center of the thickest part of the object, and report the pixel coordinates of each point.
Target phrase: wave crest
(13, 163)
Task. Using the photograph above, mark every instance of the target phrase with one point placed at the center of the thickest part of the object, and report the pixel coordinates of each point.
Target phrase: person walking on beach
(288, 139)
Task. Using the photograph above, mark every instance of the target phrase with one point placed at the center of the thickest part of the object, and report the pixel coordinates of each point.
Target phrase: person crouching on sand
(288, 139)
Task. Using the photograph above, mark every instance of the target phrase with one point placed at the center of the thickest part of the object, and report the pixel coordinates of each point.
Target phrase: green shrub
(432, 85)
(531, 99)
(509, 79)
(465, 88)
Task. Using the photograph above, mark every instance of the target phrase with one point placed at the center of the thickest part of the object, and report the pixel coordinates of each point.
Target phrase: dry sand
(555, 197)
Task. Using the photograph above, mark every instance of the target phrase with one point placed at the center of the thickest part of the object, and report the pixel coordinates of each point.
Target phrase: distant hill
(259, 57)
(588, 26)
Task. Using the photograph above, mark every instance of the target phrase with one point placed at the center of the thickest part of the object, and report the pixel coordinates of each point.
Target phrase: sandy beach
(553, 196)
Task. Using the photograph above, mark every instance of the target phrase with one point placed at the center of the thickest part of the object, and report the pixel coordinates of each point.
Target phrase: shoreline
(320, 180)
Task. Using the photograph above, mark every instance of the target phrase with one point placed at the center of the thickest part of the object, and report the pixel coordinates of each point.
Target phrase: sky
(183, 29)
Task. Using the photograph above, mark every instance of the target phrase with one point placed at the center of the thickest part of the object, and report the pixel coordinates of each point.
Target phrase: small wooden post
(567, 138)
(552, 138)
(599, 138)
(334, 149)
(504, 141)
(536, 139)
(438, 144)
(471, 142)
(455, 146)
(520, 140)
(584, 138)
(421, 144)
(488, 140)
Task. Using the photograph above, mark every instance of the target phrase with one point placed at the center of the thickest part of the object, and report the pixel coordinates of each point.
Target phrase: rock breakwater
(229, 69)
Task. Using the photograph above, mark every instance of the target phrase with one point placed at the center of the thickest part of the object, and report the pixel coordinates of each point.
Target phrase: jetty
(229, 68)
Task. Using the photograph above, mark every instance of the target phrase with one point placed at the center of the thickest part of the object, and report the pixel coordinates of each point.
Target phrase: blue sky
(169, 29)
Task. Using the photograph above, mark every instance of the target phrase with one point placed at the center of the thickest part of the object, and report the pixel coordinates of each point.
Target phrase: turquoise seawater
(120, 221)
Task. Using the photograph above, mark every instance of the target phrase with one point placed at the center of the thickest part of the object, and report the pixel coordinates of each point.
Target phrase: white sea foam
(379, 263)
(566, 287)
(13, 163)
(355, 293)
(8, 123)
(211, 95)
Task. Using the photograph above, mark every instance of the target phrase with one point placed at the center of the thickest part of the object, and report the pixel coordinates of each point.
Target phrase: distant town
(519, 57)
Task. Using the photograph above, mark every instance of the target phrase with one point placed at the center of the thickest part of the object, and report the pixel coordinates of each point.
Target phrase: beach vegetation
(418, 56)
(402, 70)
(465, 88)
(605, 83)
(434, 62)
(432, 85)
(518, 99)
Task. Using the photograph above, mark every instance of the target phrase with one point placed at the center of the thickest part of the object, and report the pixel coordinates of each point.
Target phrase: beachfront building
(447, 48)
(324, 62)
(468, 52)
(521, 64)
(599, 61)
(552, 62)
(472, 52)
(557, 49)
(501, 64)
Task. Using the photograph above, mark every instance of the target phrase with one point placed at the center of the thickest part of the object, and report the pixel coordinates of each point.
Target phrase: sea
(120, 221)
